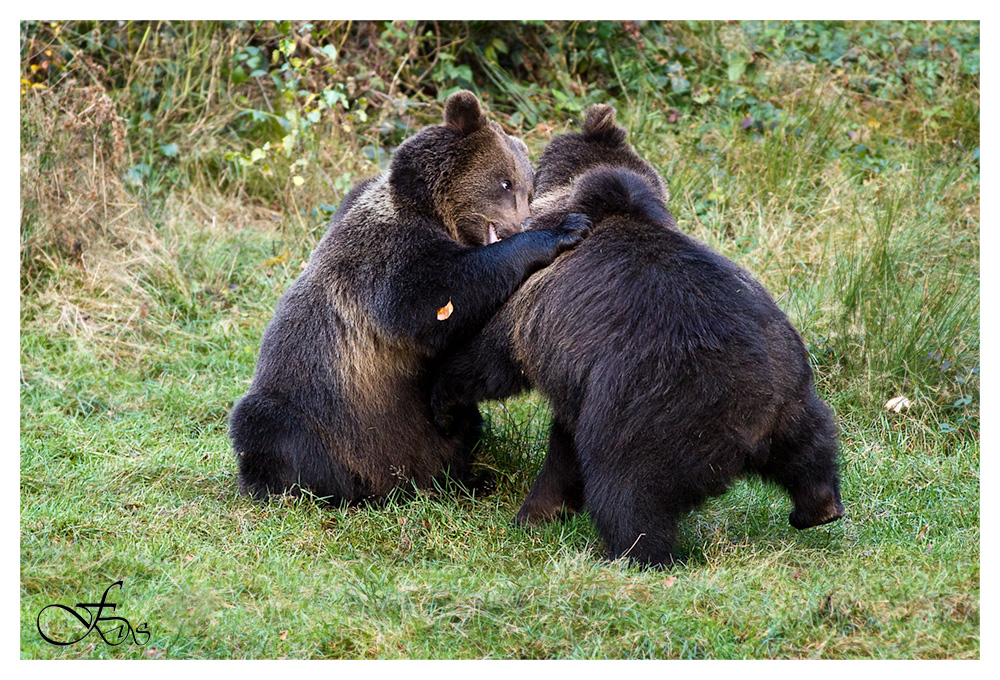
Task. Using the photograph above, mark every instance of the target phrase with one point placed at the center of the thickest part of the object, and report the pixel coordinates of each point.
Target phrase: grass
(141, 487)
(136, 342)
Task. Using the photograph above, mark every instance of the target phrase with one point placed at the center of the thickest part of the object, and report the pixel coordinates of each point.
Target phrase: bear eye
(505, 185)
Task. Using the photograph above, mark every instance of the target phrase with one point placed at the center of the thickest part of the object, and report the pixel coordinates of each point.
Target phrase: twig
(47, 46)
(437, 52)
(266, 100)
(625, 554)
(395, 77)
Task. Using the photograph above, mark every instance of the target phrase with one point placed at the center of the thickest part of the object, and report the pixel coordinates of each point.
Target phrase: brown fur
(339, 404)
(670, 370)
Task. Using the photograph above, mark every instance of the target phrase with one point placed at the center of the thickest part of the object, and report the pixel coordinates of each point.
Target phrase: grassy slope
(126, 470)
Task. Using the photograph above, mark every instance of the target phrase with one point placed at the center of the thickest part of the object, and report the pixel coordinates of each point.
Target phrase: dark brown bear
(670, 369)
(416, 259)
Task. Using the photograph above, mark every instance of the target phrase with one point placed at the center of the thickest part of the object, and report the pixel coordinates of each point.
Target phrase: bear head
(600, 142)
(466, 173)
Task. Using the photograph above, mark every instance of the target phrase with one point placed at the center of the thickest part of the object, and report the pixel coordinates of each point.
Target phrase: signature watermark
(114, 630)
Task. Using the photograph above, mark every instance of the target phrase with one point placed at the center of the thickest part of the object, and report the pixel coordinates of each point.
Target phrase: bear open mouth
(493, 238)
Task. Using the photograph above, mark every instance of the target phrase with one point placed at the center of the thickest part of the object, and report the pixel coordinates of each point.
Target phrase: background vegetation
(175, 177)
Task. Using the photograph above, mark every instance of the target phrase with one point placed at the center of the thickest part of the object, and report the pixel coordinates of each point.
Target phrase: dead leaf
(445, 311)
(897, 404)
(277, 259)
(282, 635)
(669, 581)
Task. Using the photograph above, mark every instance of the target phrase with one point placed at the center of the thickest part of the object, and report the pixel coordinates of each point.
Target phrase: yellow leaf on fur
(445, 311)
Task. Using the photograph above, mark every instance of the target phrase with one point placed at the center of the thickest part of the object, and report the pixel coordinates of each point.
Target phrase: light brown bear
(416, 259)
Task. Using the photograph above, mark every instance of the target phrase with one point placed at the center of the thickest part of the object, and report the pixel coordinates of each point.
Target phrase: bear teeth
(493, 234)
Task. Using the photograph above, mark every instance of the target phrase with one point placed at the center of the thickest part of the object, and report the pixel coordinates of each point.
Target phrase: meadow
(175, 177)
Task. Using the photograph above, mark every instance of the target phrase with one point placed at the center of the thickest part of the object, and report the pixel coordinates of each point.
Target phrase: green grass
(135, 344)
(126, 472)
(148, 495)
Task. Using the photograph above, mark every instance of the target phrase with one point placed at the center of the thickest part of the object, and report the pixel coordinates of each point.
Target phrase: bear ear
(520, 146)
(600, 125)
(462, 113)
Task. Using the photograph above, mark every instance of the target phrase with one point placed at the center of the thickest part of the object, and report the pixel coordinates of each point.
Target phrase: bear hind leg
(277, 453)
(635, 516)
(803, 460)
(636, 527)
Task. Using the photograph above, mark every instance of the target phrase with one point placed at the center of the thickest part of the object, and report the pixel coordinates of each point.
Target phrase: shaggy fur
(670, 369)
(339, 403)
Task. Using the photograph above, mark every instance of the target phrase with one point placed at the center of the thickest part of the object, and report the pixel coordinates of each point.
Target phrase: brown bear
(415, 260)
(670, 369)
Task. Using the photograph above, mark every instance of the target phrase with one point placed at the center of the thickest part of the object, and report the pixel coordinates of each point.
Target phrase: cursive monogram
(115, 626)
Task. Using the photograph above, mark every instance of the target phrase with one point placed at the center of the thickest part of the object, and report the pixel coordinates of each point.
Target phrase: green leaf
(169, 150)
(137, 173)
(737, 67)
(331, 97)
